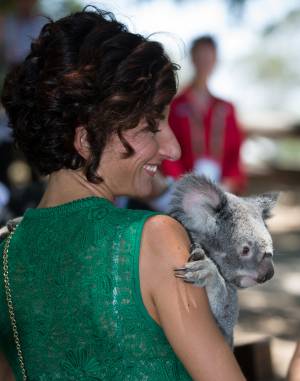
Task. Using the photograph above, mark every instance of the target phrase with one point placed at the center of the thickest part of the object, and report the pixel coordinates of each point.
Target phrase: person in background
(206, 126)
(18, 29)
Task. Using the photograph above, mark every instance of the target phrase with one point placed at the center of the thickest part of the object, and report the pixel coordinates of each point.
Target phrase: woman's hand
(294, 368)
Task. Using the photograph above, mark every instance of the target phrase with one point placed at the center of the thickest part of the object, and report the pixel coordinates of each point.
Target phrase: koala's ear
(266, 202)
(198, 198)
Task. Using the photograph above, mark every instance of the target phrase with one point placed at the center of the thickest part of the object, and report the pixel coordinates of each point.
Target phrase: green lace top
(74, 274)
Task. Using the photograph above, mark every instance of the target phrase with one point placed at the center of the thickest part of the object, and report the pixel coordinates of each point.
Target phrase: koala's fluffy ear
(266, 202)
(197, 198)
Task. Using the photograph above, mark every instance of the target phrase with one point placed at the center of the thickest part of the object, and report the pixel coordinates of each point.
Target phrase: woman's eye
(154, 130)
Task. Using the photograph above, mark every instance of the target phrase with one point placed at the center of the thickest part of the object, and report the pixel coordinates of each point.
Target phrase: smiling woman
(90, 290)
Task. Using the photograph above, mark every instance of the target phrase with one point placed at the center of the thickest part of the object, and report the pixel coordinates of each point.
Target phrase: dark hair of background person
(203, 40)
(88, 70)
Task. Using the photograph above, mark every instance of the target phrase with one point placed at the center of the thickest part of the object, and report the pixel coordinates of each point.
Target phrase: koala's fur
(231, 245)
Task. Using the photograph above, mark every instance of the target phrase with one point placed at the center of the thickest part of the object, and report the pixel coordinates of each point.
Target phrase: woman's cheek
(147, 146)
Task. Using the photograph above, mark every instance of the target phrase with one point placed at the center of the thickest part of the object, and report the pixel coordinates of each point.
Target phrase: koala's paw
(199, 272)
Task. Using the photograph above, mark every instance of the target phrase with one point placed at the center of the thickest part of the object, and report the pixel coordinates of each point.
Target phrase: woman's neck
(67, 185)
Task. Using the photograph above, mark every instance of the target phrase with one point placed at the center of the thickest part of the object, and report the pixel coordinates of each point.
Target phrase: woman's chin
(144, 194)
(144, 191)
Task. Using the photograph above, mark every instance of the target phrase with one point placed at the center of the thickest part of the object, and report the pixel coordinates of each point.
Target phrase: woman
(92, 286)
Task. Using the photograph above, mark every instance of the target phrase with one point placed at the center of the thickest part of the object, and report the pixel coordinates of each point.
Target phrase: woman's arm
(6, 373)
(182, 309)
(294, 368)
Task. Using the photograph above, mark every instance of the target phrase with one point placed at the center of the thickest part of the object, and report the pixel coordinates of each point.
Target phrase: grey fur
(222, 227)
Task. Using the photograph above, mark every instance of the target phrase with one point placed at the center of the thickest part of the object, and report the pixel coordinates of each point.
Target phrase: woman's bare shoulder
(163, 221)
(166, 237)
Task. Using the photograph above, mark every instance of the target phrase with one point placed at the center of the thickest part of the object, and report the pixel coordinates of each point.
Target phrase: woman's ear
(81, 143)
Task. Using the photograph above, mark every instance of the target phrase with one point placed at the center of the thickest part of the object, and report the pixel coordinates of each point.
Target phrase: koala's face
(231, 229)
(244, 250)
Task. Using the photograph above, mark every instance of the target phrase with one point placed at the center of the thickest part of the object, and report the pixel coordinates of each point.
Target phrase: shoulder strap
(10, 306)
(10, 225)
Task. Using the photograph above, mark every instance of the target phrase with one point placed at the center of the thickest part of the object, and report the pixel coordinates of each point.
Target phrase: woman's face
(133, 176)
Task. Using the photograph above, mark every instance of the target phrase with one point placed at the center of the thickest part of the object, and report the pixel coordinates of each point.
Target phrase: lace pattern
(79, 310)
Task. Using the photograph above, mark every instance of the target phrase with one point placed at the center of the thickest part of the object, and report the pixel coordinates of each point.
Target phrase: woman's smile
(150, 169)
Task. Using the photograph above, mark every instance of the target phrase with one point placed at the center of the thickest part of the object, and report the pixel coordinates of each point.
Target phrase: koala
(231, 245)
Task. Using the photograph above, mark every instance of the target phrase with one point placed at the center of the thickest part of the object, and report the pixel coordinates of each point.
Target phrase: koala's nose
(268, 275)
(268, 254)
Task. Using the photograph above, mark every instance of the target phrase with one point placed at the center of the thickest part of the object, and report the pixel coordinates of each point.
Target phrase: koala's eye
(245, 250)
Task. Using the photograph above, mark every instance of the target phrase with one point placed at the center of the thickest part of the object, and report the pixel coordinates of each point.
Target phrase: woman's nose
(169, 146)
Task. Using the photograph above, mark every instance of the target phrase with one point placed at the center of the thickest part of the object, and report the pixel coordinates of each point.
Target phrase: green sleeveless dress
(74, 274)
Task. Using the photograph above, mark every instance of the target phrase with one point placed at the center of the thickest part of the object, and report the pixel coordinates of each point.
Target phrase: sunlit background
(259, 71)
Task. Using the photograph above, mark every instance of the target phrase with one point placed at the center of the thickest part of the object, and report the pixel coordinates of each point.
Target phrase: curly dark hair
(85, 69)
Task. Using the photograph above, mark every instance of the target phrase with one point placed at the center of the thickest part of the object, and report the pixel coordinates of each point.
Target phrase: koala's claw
(188, 281)
(180, 269)
(183, 276)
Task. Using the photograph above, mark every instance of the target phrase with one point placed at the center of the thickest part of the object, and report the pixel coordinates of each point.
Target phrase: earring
(74, 161)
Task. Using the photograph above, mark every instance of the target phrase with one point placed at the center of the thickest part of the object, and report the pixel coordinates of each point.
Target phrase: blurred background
(258, 70)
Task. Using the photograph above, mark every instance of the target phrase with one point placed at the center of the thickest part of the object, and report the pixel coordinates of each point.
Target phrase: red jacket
(211, 133)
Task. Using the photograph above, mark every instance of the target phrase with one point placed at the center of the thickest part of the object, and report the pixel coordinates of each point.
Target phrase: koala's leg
(5, 230)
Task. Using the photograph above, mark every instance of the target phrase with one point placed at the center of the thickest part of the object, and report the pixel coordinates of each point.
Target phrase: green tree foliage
(273, 64)
(55, 7)
(52, 8)
(236, 4)
(59, 8)
(276, 59)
